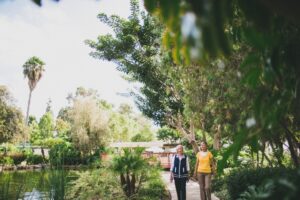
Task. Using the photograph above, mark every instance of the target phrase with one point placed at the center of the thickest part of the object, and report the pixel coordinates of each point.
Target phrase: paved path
(192, 188)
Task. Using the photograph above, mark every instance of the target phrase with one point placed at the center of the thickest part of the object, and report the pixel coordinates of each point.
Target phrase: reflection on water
(34, 185)
(35, 194)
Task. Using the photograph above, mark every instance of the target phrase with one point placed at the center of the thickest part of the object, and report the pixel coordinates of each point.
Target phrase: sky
(56, 33)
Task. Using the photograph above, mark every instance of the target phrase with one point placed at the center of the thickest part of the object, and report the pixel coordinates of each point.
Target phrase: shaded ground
(193, 191)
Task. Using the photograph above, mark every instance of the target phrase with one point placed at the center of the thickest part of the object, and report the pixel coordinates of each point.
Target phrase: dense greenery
(263, 183)
(226, 72)
(11, 118)
(205, 31)
(64, 154)
(128, 176)
(132, 169)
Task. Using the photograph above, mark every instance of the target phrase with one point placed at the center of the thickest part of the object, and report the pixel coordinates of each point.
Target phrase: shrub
(97, 184)
(239, 181)
(154, 188)
(51, 142)
(276, 188)
(17, 157)
(219, 187)
(64, 154)
(34, 159)
(5, 160)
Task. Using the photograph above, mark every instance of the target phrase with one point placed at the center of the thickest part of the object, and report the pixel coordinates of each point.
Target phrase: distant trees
(89, 124)
(93, 122)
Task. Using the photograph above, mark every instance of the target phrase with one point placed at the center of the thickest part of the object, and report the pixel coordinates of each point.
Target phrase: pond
(32, 185)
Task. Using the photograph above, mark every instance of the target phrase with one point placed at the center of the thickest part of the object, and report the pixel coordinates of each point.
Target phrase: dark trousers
(180, 184)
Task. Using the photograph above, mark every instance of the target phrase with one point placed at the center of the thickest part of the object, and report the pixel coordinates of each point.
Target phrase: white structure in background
(155, 149)
(162, 151)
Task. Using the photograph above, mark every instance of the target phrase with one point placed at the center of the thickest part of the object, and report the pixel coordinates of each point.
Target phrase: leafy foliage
(168, 135)
(89, 125)
(135, 48)
(132, 168)
(46, 125)
(11, 118)
(97, 184)
(64, 154)
(275, 188)
(200, 31)
(34, 159)
(238, 181)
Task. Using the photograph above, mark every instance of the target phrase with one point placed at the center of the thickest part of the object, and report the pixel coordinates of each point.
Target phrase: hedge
(239, 181)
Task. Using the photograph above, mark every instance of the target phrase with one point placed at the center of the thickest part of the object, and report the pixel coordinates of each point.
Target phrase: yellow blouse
(204, 162)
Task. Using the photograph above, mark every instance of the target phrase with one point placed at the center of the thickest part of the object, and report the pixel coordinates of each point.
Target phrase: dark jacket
(180, 167)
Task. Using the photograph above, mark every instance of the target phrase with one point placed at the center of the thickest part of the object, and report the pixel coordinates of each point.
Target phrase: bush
(17, 157)
(64, 154)
(5, 160)
(219, 188)
(34, 159)
(277, 188)
(96, 184)
(154, 189)
(51, 142)
(239, 181)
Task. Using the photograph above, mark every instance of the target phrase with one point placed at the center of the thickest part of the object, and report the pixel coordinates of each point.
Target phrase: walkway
(192, 187)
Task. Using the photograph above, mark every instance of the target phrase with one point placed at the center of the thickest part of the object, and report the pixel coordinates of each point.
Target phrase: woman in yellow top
(203, 170)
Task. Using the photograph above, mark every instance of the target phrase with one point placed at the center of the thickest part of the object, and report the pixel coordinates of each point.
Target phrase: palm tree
(33, 70)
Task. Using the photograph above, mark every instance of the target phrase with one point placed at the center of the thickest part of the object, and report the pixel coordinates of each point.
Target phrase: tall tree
(11, 118)
(171, 94)
(33, 70)
(89, 124)
(201, 30)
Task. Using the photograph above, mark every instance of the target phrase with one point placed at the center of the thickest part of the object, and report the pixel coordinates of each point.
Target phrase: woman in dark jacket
(180, 172)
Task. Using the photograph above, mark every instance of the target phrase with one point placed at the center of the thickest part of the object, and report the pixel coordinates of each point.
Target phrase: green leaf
(252, 77)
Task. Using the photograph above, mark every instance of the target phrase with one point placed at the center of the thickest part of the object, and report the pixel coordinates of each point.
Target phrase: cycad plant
(132, 168)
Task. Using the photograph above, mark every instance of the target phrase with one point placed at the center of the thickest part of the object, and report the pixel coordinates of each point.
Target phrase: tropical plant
(33, 70)
(132, 168)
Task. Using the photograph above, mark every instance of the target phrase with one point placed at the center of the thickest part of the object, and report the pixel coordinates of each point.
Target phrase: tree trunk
(267, 158)
(195, 146)
(28, 106)
(133, 180)
(263, 154)
(123, 183)
(276, 153)
(217, 138)
(128, 188)
(204, 136)
(289, 138)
